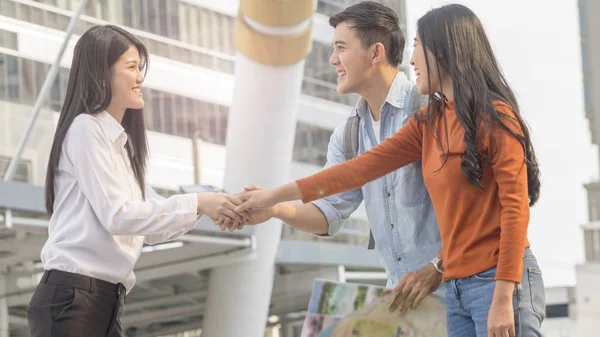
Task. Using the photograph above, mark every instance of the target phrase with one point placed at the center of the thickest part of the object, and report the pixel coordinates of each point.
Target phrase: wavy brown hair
(458, 41)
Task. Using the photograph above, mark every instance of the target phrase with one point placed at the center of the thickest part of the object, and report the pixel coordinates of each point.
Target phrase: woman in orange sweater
(479, 167)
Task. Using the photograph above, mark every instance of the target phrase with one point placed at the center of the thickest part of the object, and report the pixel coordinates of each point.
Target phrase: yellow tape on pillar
(278, 13)
(280, 50)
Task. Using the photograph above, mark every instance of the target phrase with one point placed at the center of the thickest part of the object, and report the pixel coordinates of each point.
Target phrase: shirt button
(398, 258)
(387, 194)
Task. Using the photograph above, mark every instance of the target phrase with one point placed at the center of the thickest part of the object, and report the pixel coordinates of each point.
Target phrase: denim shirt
(398, 205)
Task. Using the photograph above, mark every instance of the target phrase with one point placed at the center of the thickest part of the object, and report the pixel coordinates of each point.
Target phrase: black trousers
(66, 304)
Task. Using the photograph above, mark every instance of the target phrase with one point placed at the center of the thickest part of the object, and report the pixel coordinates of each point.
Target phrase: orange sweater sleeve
(403, 148)
(510, 173)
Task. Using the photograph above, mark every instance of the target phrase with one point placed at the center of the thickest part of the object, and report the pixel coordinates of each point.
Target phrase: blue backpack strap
(351, 137)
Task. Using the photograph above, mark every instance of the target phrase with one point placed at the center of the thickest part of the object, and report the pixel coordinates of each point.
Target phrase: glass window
(21, 81)
(596, 247)
(155, 16)
(223, 123)
(8, 8)
(27, 78)
(594, 205)
(23, 172)
(171, 12)
(592, 244)
(3, 77)
(331, 7)
(36, 15)
(311, 143)
(8, 39)
(148, 111)
(157, 101)
(320, 77)
(12, 77)
(56, 98)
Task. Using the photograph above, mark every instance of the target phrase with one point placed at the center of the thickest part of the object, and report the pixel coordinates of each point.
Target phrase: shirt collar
(395, 96)
(114, 130)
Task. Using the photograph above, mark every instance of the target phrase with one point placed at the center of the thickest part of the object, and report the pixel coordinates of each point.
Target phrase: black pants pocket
(62, 300)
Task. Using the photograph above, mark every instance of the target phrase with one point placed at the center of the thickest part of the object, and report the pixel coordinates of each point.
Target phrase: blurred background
(549, 51)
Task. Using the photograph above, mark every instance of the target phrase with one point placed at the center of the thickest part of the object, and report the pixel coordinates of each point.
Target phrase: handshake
(234, 211)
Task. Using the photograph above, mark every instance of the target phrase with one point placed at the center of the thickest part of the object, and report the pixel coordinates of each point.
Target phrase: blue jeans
(468, 302)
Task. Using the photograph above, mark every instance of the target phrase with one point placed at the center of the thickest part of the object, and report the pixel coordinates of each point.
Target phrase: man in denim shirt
(368, 45)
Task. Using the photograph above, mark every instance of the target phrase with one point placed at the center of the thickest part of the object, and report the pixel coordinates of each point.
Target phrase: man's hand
(414, 287)
(256, 217)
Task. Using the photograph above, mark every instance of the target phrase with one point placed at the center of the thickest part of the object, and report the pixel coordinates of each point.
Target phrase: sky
(541, 57)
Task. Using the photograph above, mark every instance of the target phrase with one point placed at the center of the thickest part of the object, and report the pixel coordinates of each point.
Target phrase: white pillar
(260, 139)
(4, 328)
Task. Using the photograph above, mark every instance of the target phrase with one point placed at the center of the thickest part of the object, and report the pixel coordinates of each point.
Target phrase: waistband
(87, 283)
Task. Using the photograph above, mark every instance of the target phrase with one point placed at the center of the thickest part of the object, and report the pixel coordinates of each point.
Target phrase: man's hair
(374, 22)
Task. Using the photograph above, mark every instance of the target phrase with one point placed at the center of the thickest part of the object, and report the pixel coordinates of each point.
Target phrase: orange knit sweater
(480, 228)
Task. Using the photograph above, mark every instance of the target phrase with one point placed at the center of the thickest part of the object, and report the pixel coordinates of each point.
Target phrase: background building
(588, 274)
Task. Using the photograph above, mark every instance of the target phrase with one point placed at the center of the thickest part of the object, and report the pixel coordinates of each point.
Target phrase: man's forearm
(305, 217)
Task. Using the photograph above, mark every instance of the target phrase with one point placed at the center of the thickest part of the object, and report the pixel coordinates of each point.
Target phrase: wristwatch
(437, 263)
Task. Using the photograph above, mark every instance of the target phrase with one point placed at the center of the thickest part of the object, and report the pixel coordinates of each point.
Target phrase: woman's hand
(501, 318)
(221, 205)
(256, 200)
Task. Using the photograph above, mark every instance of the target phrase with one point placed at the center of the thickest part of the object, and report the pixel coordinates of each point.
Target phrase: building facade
(588, 274)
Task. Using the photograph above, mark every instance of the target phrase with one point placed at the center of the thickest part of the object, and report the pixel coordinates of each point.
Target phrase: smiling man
(367, 51)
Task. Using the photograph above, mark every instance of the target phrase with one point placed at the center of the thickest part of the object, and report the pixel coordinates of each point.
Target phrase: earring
(440, 97)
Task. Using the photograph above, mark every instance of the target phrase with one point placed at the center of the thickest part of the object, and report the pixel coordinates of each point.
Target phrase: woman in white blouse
(102, 209)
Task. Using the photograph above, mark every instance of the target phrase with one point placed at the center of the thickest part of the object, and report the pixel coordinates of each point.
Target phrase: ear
(378, 53)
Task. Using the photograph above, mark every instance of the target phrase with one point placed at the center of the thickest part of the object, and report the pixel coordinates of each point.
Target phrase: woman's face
(126, 81)
(422, 71)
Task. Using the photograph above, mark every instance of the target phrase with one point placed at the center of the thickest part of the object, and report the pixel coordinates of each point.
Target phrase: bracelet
(437, 264)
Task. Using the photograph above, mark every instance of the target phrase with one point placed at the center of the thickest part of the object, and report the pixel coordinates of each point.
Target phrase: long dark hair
(89, 91)
(456, 38)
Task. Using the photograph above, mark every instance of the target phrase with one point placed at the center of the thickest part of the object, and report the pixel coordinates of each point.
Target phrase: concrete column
(272, 39)
(4, 328)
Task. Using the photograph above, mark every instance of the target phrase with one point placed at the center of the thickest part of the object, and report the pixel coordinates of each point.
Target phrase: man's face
(350, 59)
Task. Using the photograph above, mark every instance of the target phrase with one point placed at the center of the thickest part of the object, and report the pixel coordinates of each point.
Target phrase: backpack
(350, 140)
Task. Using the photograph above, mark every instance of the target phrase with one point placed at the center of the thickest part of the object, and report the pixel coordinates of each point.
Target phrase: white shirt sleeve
(90, 153)
(153, 239)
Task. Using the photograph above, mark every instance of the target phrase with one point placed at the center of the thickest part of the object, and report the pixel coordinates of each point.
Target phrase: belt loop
(92, 284)
(45, 276)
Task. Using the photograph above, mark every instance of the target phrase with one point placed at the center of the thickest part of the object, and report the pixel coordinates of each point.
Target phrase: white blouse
(100, 220)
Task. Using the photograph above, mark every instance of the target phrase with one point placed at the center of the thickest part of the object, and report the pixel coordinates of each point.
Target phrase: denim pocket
(62, 299)
(537, 292)
(487, 275)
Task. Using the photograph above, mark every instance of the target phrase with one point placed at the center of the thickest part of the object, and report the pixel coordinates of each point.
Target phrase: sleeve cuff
(510, 276)
(191, 216)
(333, 218)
